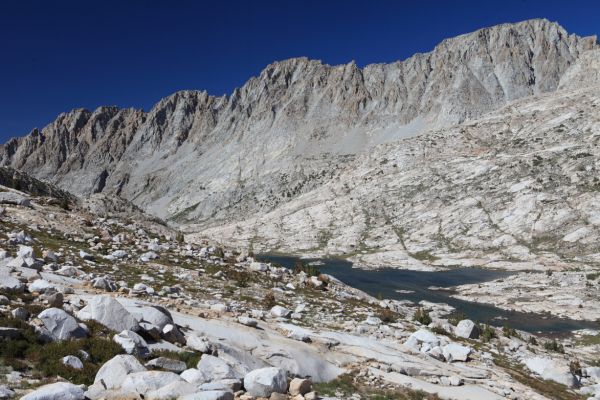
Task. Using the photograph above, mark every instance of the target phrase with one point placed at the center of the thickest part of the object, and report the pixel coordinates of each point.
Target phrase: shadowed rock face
(208, 160)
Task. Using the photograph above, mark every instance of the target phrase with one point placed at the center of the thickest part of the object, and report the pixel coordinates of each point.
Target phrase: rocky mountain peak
(199, 158)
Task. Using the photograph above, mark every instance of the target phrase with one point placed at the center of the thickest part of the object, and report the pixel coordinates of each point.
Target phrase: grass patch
(188, 357)
(345, 386)
(423, 255)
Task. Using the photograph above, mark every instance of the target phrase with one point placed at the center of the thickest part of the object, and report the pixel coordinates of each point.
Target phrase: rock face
(204, 160)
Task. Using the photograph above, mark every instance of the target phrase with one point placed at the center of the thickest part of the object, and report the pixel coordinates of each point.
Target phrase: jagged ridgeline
(286, 137)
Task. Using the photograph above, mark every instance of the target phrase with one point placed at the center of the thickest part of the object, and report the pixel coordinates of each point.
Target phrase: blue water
(387, 281)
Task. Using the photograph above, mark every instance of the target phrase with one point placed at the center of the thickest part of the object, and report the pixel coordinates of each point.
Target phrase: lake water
(388, 281)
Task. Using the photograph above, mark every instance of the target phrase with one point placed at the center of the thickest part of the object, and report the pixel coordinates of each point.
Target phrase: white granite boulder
(60, 325)
(265, 381)
(110, 313)
(112, 374)
(56, 391)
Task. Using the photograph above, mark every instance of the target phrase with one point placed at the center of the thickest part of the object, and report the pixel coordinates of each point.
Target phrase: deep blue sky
(58, 55)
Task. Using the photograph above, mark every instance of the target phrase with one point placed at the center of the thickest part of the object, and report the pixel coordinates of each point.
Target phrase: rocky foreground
(99, 301)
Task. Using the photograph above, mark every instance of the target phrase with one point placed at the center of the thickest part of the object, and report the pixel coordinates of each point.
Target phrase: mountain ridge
(209, 160)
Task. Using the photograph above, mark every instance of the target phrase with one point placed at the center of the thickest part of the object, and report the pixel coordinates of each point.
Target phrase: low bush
(422, 316)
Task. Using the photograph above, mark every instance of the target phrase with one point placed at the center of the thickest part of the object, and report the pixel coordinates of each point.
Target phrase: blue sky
(59, 55)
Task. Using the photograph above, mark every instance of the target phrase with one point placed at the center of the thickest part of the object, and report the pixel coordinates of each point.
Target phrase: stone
(156, 315)
(68, 270)
(194, 376)
(132, 343)
(456, 352)
(168, 364)
(278, 396)
(229, 385)
(86, 256)
(172, 334)
(214, 368)
(171, 391)
(53, 299)
(113, 372)
(6, 393)
(9, 333)
(104, 283)
(591, 372)
(120, 254)
(25, 251)
(280, 312)
(265, 381)
(300, 386)
(50, 256)
(201, 344)
(466, 329)
(258, 266)
(110, 313)
(141, 288)
(220, 308)
(20, 313)
(72, 362)
(209, 395)
(251, 322)
(17, 262)
(311, 396)
(61, 325)
(4, 300)
(14, 198)
(56, 391)
(147, 381)
(550, 369)
(9, 283)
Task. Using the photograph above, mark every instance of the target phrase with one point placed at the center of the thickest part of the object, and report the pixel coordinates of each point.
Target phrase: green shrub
(553, 345)
(487, 332)
(47, 358)
(533, 340)
(309, 270)
(188, 357)
(509, 332)
(456, 317)
(422, 316)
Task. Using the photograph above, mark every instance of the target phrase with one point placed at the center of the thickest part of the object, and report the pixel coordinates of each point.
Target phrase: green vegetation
(188, 357)
(42, 360)
(424, 255)
(487, 332)
(309, 270)
(553, 345)
(422, 316)
(509, 332)
(456, 317)
(593, 276)
(345, 386)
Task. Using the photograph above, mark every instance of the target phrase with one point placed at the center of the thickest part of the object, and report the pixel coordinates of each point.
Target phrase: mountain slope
(296, 128)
